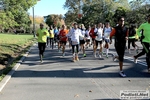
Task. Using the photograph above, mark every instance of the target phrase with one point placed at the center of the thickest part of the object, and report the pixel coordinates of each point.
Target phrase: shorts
(93, 39)
(96, 42)
(87, 40)
(63, 42)
(82, 42)
(107, 40)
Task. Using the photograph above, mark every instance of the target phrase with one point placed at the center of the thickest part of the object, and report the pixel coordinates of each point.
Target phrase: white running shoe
(135, 60)
(100, 56)
(63, 55)
(122, 74)
(95, 55)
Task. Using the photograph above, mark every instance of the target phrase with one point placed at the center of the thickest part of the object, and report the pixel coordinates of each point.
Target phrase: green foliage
(55, 20)
(14, 14)
(94, 11)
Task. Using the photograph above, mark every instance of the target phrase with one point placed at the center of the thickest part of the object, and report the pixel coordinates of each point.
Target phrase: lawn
(12, 46)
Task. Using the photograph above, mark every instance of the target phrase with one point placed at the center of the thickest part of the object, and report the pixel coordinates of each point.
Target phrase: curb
(9, 75)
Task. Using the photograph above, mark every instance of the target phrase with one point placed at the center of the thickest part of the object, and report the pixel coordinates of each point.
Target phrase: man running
(42, 34)
(98, 40)
(146, 40)
(74, 35)
(63, 39)
(107, 30)
(82, 41)
(121, 35)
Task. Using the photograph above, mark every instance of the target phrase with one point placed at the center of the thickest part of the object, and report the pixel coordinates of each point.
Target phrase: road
(57, 78)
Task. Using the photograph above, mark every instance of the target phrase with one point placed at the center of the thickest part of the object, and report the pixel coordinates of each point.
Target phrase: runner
(42, 34)
(58, 39)
(98, 40)
(87, 35)
(82, 41)
(143, 52)
(63, 39)
(55, 36)
(121, 35)
(51, 37)
(75, 34)
(47, 41)
(146, 40)
(93, 35)
(132, 33)
(107, 30)
(69, 38)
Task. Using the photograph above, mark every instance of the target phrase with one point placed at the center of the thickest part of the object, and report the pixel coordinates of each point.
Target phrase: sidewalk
(57, 78)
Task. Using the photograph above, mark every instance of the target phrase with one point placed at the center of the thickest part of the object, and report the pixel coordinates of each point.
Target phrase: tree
(15, 13)
(93, 11)
(55, 20)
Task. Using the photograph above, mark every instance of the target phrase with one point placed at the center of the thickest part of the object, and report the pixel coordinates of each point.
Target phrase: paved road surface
(60, 79)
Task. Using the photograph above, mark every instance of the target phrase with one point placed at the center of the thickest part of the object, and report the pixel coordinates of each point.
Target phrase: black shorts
(88, 40)
(63, 42)
(100, 42)
(82, 42)
(93, 39)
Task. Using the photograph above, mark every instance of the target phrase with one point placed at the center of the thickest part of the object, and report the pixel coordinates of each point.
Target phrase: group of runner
(95, 35)
(81, 37)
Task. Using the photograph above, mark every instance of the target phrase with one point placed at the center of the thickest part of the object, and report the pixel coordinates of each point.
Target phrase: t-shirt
(51, 33)
(107, 32)
(83, 33)
(99, 34)
(74, 34)
(87, 34)
(42, 38)
(146, 32)
(92, 33)
(62, 35)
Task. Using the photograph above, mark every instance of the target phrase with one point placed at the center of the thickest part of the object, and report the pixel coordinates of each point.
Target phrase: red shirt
(63, 34)
(92, 33)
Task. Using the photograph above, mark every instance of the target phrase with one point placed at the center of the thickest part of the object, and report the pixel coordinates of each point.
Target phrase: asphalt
(58, 78)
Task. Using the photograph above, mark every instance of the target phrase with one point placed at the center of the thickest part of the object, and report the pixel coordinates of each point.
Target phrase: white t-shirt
(87, 34)
(107, 32)
(83, 33)
(99, 34)
(75, 34)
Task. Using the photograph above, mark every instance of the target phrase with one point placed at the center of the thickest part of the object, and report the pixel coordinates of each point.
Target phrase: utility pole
(33, 22)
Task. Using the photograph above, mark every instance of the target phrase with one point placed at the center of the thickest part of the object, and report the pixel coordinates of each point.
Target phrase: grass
(11, 48)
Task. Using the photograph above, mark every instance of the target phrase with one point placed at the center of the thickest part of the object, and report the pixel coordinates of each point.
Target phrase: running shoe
(114, 58)
(149, 70)
(100, 56)
(76, 58)
(63, 55)
(95, 55)
(106, 56)
(129, 51)
(59, 50)
(84, 55)
(122, 74)
(137, 51)
(41, 58)
(135, 59)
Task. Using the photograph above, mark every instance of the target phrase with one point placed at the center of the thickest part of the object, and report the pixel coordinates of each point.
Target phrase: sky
(46, 7)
